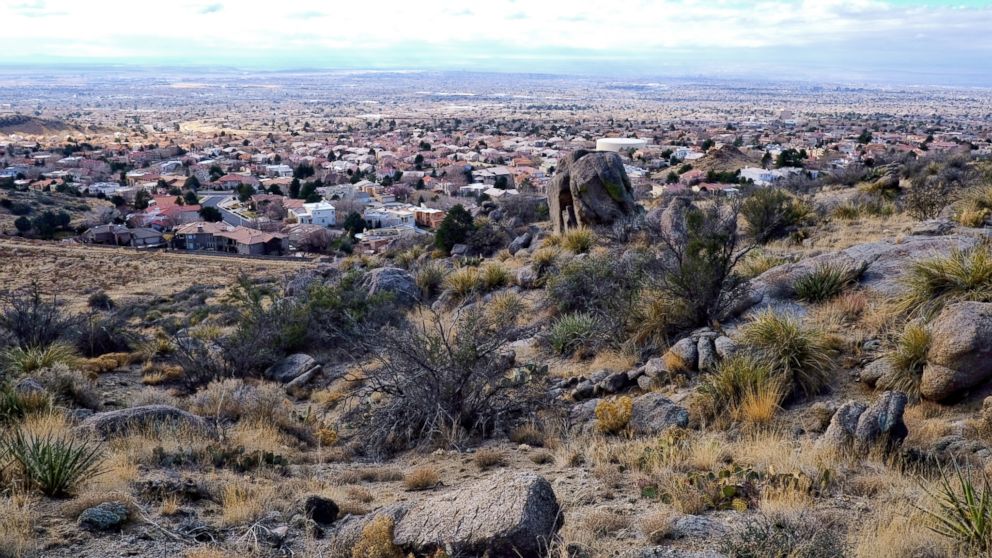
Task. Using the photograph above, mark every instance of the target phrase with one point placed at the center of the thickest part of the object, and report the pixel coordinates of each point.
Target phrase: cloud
(38, 8)
(211, 8)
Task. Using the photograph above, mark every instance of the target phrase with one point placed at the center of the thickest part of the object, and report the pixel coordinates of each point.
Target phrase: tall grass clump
(824, 282)
(974, 206)
(572, 332)
(758, 262)
(908, 358)
(933, 283)
(430, 278)
(744, 385)
(53, 463)
(495, 276)
(962, 510)
(17, 361)
(464, 281)
(800, 355)
(578, 241)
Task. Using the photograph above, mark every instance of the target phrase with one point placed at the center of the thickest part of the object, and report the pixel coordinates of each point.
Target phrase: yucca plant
(54, 464)
(908, 359)
(824, 282)
(963, 511)
(573, 331)
(933, 283)
(736, 383)
(18, 361)
(801, 355)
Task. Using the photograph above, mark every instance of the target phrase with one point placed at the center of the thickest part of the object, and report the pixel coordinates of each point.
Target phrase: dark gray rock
(104, 517)
(933, 227)
(584, 390)
(113, 423)
(507, 514)
(320, 509)
(875, 371)
(614, 383)
(861, 427)
(655, 368)
(687, 350)
(707, 355)
(589, 189)
(519, 243)
(654, 413)
(395, 281)
(725, 347)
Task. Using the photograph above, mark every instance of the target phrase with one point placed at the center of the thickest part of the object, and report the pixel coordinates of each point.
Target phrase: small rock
(292, 367)
(654, 413)
(104, 517)
(584, 390)
(725, 347)
(686, 349)
(655, 368)
(707, 355)
(646, 383)
(320, 509)
(519, 243)
(614, 383)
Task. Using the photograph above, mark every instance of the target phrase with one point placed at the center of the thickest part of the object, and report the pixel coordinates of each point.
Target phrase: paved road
(212, 200)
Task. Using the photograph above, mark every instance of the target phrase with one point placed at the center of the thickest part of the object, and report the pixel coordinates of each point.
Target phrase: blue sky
(898, 41)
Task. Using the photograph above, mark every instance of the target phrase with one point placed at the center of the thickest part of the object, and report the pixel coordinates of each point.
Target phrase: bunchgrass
(19, 361)
(571, 332)
(824, 282)
(933, 283)
(801, 355)
(578, 241)
(908, 358)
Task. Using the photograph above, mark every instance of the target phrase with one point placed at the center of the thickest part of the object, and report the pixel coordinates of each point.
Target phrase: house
(318, 213)
(221, 237)
(427, 217)
(232, 181)
(279, 171)
(119, 235)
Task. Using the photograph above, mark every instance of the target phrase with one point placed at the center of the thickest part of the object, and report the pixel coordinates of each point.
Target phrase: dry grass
(243, 502)
(613, 416)
(578, 241)
(897, 531)
(603, 522)
(376, 540)
(528, 434)
(760, 404)
(369, 474)
(210, 552)
(657, 525)
(18, 517)
(487, 458)
(422, 478)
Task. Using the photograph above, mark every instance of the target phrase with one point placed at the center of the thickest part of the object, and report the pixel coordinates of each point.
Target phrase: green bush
(824, 282)
(571, 332)
(963, 510)
(799, 354)
(429, 278)
(769, 212)
(54, 464)
(735, 379)
(17, 361)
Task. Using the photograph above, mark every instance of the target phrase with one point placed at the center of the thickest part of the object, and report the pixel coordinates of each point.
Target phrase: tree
(245, 192)
(353, 223)
(141, 199)
(275, 190)
(454, 229)
(294, 188)
(23, 224)
(192, 183)
(190, 198)
(865, 137)
(790, 158)
(210, 214)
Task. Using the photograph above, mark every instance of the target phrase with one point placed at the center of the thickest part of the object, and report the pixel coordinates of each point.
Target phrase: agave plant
(963, 509)
(55, 464)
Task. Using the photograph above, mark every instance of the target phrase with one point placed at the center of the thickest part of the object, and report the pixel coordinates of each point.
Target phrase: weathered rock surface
(507, 514)
(395, 281)
(292, 368)
(519, 243)
(860, 427)
(960, 355)
(112, 423)
(653, 413)
(589, 188)
(104, 517)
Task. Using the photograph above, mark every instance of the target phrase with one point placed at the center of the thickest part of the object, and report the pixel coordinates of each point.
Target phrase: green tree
(454, 229)
(294, 189)
(245, 192)
(192, 183)
(210, 214)
(275, 190)
(190, 198)
(353, 223)
(865, 137)
(23, 224)
(141, 199)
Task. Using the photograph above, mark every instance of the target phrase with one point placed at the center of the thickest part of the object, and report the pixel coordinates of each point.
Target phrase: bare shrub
(33, 319)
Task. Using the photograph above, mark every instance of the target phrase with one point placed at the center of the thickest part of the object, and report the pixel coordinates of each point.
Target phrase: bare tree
(33, 319)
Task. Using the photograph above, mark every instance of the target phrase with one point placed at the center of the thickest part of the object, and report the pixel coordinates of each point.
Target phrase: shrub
(572, 332)
(15, 404)
(54, 464)
(429, 278)
(543, 259)
(700, 253)
(34, 320)
(464, 281)
(454, 229)
(800, 355)
(740, 385)
(975, 206)
(105, 333)
(100, 300)
(795, 537)
(506, 307)
(494, 276)
(908, 359)
(436, 376)
(233, 399)
(421, 478)
(769, 212)
(578, 241)
(528, 434)
(376, 540)
(824, 282)
(489, 458)
(962, 510)
(18, 361)
(613, 416)
(656, 317)
(658, 525)
(932, 283)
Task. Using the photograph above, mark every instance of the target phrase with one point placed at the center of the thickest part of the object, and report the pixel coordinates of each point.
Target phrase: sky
(878, 41)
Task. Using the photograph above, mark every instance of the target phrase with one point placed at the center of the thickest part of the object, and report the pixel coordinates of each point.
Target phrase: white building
(318, 213)
(279, 170)
(620, 144)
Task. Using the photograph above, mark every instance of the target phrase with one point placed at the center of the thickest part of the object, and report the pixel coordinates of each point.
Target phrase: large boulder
(653, 413)
(395, 281)
(114, 423)
(589, 188)
(861, 427)
(508, 514)
(960, 355)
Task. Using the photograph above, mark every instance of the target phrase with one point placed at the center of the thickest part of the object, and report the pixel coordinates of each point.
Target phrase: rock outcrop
(395, 281)
(104, 517)
(113, 423)
(292, 368)
(960, 356)
(861, 427)
(590, 188)
(653, 413)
